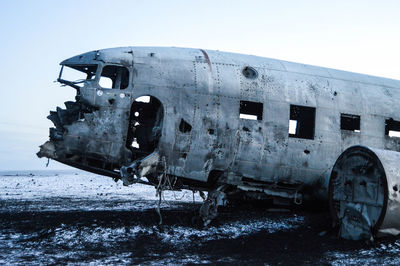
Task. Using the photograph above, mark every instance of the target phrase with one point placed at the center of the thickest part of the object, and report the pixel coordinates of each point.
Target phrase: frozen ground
(76, 217)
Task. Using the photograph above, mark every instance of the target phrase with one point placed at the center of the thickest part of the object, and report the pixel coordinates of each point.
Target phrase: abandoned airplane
(227, 123)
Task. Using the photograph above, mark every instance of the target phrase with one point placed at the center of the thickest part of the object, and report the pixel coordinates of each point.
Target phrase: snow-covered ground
(38, 185)
(79, 190)
(71, 192)
(74, 217)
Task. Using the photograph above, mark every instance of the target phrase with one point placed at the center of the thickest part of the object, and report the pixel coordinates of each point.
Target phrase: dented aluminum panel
(214, 121)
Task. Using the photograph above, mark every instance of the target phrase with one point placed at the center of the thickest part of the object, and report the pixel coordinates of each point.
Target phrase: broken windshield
(76, 75)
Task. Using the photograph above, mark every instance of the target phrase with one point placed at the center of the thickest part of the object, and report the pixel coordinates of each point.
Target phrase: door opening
(145, 125)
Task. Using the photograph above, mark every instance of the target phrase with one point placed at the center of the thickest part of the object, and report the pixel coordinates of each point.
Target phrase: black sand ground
(36, 235)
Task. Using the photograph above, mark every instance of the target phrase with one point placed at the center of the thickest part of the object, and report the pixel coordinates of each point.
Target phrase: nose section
(91, 132)
(90, 137)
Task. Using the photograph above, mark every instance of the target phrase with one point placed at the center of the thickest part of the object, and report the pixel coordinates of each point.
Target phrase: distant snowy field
(76, 186)
(42, 184)
(49, 217)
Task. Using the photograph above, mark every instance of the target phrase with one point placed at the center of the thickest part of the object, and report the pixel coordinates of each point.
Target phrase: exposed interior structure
(145, 124)
(74, 76)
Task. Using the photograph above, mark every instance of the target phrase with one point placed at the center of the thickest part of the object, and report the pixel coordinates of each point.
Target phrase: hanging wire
(162, 185)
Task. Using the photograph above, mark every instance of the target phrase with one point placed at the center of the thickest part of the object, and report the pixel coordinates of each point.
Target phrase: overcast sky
(359, 36)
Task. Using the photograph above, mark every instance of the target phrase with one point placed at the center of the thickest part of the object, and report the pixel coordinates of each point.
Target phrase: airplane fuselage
(254, 123)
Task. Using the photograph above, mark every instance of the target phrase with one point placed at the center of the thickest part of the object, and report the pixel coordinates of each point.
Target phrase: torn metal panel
(146, 167)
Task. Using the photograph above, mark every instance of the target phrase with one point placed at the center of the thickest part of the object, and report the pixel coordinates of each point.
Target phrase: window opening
(76, 75)
(251, 110)
(302, 122)
(350, 122)
(392, 128)
(114, 77)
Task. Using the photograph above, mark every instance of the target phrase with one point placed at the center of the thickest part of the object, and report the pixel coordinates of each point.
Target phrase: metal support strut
(209, 209)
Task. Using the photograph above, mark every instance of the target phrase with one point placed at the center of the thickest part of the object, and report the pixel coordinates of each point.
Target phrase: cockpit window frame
(77, 67)
(100, 71)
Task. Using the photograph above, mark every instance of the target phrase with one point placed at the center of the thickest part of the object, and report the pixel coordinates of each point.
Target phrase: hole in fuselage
(184, 126)
(145, 125)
